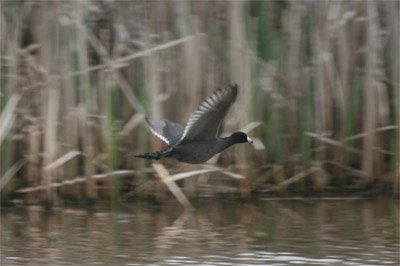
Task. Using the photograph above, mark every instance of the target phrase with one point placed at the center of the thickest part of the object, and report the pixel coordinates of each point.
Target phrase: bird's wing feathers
(166, 130)
(204, 123)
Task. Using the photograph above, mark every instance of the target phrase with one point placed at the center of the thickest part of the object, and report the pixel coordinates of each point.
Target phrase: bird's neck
(227, 142)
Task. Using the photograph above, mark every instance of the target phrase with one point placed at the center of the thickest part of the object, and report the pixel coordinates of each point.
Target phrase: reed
(319, 91)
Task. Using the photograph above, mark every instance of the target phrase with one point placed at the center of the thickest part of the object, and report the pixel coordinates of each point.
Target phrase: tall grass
(78, 77)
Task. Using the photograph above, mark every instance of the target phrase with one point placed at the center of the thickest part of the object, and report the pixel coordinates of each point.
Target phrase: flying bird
(197, 141)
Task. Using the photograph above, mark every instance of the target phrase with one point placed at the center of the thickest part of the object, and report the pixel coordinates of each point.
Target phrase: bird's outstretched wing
(204, 123)
(166, 130)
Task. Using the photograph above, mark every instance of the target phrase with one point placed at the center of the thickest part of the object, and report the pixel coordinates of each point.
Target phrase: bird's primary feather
(204, 123)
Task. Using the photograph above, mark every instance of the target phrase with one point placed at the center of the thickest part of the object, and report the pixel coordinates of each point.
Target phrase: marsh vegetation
(319, 93)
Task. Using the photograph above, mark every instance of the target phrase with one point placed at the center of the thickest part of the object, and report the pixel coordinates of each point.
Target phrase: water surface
(218, 232)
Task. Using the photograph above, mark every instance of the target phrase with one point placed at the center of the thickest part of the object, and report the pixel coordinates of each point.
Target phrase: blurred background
(319, 92)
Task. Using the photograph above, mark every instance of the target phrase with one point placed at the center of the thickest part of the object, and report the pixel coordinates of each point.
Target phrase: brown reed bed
(319, 92)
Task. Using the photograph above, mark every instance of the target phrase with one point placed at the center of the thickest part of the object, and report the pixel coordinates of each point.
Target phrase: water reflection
(320, 232)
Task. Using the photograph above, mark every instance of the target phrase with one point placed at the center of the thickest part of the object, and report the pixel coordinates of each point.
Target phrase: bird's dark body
(204, 151)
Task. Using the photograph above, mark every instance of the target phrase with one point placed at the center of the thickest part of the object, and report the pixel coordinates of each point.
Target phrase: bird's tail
(153, 155)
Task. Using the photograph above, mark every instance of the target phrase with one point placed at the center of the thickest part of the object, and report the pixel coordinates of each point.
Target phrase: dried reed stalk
(175, 190)
(87, 104)
(371, 96)
(62, 160)
(7, 117)
(192, 56)
(119, 61)
(323, 104)
(152, 73)
(77, 180)
(10, 173)
(33, 159)
(293, 179)
(240, 71)
(50, 140)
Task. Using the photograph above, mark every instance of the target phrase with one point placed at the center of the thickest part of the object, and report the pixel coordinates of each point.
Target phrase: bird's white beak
(249, 140)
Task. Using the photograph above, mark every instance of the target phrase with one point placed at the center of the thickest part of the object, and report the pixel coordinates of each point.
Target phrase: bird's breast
(196, 152)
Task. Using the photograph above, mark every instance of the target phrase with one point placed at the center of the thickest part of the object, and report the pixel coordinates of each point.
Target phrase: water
(218, 232)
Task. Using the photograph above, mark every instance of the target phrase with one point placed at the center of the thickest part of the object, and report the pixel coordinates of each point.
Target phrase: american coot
(198, 141)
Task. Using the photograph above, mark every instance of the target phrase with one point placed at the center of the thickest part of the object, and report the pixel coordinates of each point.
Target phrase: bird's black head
(240, 137)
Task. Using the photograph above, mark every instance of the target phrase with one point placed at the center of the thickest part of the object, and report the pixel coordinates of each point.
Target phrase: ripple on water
(283, 233)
